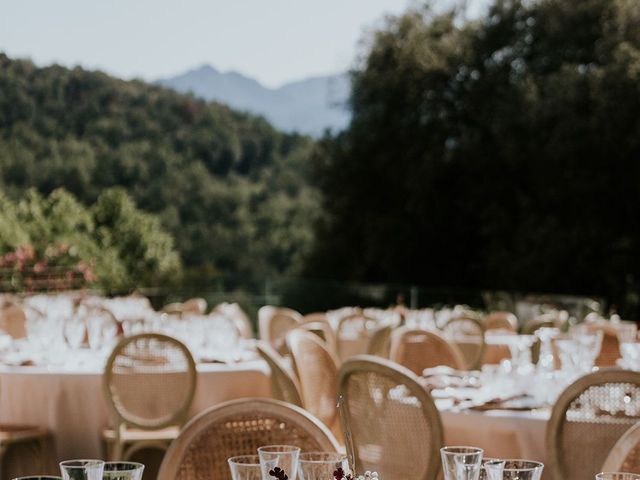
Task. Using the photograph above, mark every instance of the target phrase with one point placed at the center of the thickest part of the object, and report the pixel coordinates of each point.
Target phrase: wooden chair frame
(477, 361)
(232, 409)
(628, 443)
(573, 391)
(401, 375)
(280, 376)
(121, 422)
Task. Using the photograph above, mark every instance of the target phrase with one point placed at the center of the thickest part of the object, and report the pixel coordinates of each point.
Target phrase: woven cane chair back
(500, 321)
(239, 427)
(322, 328)
(390, 422)
(149, 381)
(318, 372)
(380, 343)
(588, 419)
(274, 323)
(284, 384)
(468, 335)
(420, 349)
(625, 455)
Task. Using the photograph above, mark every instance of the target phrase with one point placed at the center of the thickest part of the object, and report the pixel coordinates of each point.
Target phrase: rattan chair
(239, 427)
(468, 335)
(318, 372)
(355, 326)
(589, 417)
(149, 383)
(324, 331)
(610, 349)
(419, 349)
(500, 321)
(13, 320)
(380, 342)
(274, 323)
(391, 423)
(625, 455)
(284, 384)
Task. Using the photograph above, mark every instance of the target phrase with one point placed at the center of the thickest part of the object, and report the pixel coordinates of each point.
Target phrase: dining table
(69, 401)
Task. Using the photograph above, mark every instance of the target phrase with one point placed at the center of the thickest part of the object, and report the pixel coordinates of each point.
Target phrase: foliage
(60, 243)
(498, 152)
(230, 189)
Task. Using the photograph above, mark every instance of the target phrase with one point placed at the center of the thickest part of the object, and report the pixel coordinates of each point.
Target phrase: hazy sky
(273, 41)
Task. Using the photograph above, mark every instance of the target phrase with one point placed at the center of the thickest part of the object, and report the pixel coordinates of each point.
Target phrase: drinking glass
(122, 471)
(617, 476)
(38, 477)
(483, 470)
(461, 463)
(245, 467)
(284, 457)
(82, 469)
(321, 465)
(513, 470)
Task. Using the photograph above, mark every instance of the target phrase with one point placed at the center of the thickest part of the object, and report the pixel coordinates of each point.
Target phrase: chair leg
(3, 450)
(117, 451)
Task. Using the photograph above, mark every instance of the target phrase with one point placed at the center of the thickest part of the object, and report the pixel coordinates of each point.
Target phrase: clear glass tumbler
(245, 467)
(513, 470)
(284, 457)
(122, 471)
(82, 469)
(321, 465)
(461, 463)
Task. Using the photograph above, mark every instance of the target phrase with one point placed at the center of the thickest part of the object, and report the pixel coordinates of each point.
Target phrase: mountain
(307, 106)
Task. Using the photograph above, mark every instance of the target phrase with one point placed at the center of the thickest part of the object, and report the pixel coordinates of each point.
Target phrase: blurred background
(321, 154)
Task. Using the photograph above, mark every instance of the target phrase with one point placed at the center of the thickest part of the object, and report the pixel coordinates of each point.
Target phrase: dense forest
(230, 189)
(501, 152)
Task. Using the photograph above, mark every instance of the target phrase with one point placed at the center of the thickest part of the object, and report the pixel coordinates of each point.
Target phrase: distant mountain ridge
(307, 106)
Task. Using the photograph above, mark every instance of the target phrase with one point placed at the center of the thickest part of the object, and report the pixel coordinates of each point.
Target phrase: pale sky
(274, 41)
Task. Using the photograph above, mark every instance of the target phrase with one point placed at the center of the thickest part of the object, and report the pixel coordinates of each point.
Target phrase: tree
(500, 152)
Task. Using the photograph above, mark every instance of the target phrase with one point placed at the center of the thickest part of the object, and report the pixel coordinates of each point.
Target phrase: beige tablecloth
(72, 406)
(501, 433)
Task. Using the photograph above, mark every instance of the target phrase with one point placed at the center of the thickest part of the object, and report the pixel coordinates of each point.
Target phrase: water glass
(38, 477)
(82, 469)
(461, 463)
(617, 476)
(122, 471)
(321, 465)
(483, 471)
(284, 457)
(245, 467)
(513, 470)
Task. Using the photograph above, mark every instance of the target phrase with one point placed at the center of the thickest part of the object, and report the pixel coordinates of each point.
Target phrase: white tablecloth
(71, 403)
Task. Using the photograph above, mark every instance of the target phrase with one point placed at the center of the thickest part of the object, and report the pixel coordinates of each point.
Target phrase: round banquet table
(501, 433)
(72, 406)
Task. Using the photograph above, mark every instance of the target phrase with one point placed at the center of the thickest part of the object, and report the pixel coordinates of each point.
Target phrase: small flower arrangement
(338, 474)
